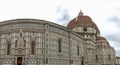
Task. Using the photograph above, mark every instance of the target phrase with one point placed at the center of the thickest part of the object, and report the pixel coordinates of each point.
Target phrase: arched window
(85, 29)
(20, 34)
(8, 48)
(104, 46)
(15, 43)
(46, 60)
(33, 48)
(98, 46)
(109, 56)
(24, 43)
(78, 50)
(82, 61)
(96, 57)
(33, 32)
(59, 45)
(71, 61)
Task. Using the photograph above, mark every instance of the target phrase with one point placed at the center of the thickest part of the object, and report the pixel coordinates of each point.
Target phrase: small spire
(81, 13)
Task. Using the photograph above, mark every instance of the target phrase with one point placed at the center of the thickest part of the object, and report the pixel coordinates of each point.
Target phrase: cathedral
(40, 42)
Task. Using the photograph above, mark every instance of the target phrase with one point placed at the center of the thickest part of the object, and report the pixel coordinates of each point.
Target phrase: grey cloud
(115, 42)
(115, 37)
(114, 18)
(58, 9)
(63, 17)
(118, 52)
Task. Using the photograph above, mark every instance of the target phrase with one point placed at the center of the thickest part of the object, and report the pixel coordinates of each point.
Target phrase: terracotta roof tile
(100, 38)
(82, 21)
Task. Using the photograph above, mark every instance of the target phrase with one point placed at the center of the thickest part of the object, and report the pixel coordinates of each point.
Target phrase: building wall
(117, 60)
(54, 45)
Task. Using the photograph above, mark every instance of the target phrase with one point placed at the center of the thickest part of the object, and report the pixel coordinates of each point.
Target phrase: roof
(82, 21)
(36, 21)
(101, 38)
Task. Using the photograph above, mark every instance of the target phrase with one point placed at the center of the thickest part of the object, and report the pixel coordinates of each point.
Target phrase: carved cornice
(18, 30)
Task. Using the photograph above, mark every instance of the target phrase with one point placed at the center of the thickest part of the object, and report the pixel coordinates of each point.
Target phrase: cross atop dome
(81, 13)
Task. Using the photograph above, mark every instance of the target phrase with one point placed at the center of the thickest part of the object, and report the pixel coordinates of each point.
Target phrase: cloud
(114, 19)
(63, 16)
(114, 38)
(118, 52)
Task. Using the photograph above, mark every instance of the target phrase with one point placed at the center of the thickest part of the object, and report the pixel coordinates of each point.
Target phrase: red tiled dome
(82, 21)
(100, 38)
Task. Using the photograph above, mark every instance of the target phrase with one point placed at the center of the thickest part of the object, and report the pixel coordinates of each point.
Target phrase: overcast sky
(105, 13)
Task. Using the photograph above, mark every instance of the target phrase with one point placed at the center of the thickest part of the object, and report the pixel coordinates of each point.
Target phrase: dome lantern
(81, 13)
